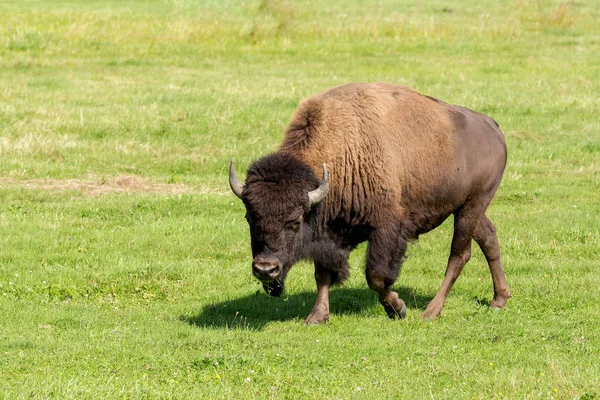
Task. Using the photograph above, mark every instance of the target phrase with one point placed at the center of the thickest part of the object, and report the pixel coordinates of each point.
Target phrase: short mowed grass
(125, 260)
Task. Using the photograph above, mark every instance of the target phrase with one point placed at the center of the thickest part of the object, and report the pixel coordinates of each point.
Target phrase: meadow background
(125, 260)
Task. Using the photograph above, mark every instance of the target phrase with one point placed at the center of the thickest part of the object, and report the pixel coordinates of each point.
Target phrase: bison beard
(400, 164)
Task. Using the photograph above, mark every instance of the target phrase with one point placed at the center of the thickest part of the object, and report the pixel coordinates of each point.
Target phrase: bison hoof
(316, 318)
(394, 313)
(431, 313)
(499, 301)
(318, 315)
(273, 288)
(394, 306)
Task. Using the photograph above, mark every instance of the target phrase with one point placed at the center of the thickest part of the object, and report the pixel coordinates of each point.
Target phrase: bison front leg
(385, 255)
(320, 311)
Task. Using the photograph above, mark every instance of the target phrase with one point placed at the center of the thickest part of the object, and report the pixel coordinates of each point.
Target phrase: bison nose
(266, 269)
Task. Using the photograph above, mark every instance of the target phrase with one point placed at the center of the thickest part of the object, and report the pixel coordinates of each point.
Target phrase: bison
(395, 164)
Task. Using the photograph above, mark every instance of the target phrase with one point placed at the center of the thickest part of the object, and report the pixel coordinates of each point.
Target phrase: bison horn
(234, 182)
(318, 195)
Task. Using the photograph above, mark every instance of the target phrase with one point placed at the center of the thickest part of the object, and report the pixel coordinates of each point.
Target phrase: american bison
(395, 164)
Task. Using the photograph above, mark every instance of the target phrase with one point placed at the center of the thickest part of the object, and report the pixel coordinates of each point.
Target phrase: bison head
(280, 194)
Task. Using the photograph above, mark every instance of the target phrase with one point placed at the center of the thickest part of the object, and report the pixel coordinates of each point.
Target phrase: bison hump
(302, 128)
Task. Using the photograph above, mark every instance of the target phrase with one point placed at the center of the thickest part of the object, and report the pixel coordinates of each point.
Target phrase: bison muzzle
(395, 164)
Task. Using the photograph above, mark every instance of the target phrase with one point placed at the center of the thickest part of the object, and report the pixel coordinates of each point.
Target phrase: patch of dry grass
(98, 186)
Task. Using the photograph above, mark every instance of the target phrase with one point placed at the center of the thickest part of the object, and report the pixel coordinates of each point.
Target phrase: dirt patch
(97, 186)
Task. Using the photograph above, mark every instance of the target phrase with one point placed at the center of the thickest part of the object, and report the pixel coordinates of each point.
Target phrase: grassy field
(125, 260)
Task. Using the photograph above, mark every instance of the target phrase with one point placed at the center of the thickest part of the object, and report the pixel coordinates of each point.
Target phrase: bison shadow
(256, 310)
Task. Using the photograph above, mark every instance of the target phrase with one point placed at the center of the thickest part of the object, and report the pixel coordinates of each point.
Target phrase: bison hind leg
(486, 238)
(465, 222)
(471, 223)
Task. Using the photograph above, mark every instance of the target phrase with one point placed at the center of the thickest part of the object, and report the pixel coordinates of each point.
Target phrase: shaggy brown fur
(400, 163)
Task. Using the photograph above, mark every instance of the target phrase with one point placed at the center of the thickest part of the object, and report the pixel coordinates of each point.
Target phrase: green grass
(125, 261)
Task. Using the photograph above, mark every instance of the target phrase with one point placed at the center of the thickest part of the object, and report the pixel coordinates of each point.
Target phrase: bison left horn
(318, 195)
(234, 182)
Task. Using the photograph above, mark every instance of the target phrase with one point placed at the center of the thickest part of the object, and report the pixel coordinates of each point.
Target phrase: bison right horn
(234, 182)
(318, 195)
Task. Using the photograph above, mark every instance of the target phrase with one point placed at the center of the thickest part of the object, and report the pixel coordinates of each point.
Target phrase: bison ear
(318, 195)
(234, 182)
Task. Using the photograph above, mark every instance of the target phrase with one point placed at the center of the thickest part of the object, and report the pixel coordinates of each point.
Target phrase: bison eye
(294, 224)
